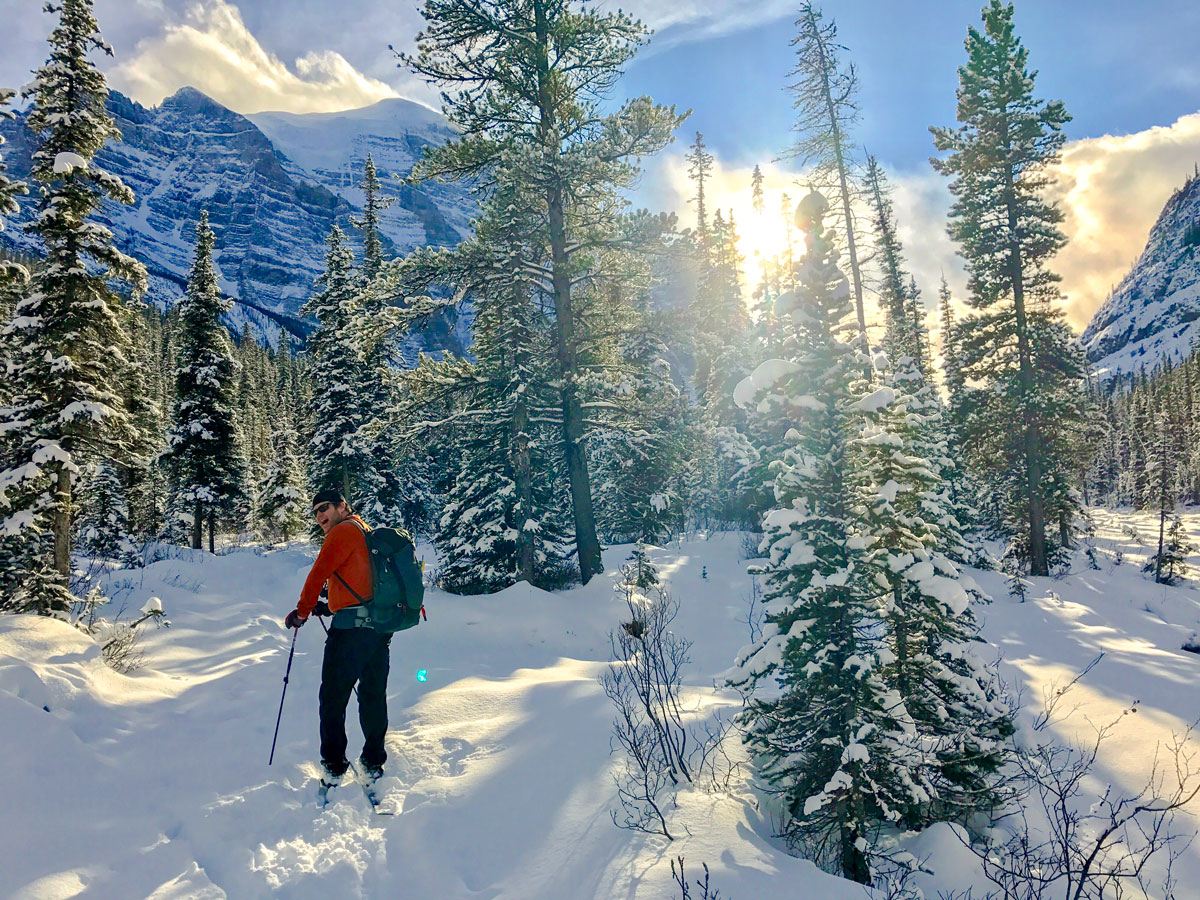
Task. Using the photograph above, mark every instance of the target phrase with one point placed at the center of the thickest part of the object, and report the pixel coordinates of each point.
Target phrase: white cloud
(690, 20)
(1112, 190)
(213, 50)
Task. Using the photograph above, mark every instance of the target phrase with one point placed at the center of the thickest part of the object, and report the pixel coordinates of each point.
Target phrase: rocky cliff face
(1154, 313)
(271, 212)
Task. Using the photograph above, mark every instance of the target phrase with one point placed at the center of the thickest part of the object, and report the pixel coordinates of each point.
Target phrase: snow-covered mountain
(273, 185)
(1154, 313)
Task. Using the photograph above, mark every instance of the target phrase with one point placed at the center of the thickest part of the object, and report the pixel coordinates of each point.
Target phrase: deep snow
(156, 784)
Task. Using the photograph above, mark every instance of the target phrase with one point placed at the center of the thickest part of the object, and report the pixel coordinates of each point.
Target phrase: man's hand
(294, 619)
(322, 609)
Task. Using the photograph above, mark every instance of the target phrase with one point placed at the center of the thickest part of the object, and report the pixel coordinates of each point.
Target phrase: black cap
(329, 495)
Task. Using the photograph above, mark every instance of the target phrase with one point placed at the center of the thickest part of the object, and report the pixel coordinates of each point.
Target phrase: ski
(380, 805)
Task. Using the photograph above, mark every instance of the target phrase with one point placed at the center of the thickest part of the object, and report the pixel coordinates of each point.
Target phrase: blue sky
(1120, 68)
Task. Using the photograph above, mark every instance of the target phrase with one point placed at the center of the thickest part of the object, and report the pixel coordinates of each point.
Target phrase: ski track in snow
(156, 784)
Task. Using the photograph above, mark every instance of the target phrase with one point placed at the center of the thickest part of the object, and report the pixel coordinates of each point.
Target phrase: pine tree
(203, 452)
(282, 504)
(833, 733)
(68, 332)
(700, 163)
(530, 78)
(1016, 346)
(338, 454)
(903, 335)
(756, 189)
(505, 513)
(103, 526)
(907, 516)
(826, 112)
(639, 472)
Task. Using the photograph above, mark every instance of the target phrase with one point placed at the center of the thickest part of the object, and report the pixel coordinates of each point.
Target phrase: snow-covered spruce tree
(203, 452)
(958, 713)
(67, 334)
(393, 486)
(529, 79)
(506, 513)
(640, 456)
(282, 505)
(338, 454)
(1020, 424)
(831, 737)
(103, 525)
(143, 479)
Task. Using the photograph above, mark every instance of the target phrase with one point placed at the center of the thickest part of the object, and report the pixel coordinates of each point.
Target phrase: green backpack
(396, 577)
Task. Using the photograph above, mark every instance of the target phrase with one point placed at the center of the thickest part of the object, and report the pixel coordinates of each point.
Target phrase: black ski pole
(279, 718)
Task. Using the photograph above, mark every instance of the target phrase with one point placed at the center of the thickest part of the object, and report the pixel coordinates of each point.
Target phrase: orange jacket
(344, 552)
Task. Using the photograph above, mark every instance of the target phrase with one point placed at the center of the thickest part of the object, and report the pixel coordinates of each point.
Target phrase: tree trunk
(61, 520)
(1032, 439)
(843, 180)
(586, 541)
(198, 526)
(523, 475)
(212, 530)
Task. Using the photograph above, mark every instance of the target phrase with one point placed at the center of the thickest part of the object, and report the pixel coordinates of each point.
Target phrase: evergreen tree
(505, 515)
(907, 516)
(67, 333)
(902, 337)
(700, 163)
(530, 79)
(203, 452)
(282, 505)
(103, 526)
(756, 189)
(826, 111)
(832, 733)
(639, 474)
(338, 454)
(1170, 563)
(1016, 346)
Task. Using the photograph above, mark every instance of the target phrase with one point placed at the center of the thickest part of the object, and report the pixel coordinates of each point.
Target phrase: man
(354, 651)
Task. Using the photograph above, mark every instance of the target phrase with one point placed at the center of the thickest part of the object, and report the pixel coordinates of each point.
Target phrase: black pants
(354, 655)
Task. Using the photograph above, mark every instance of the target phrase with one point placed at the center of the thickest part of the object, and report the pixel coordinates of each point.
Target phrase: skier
(354, 651)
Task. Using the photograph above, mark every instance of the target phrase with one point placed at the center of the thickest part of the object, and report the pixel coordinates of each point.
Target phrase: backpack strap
(370, 563)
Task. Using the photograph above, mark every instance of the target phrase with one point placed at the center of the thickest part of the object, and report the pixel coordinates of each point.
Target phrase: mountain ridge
(271, 214)
(1153, 314)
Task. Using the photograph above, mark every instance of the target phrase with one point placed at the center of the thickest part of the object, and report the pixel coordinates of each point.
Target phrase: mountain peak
(1154, 313)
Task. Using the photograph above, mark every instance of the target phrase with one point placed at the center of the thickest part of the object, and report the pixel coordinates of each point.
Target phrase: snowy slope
(1154, 313)
(156, 784)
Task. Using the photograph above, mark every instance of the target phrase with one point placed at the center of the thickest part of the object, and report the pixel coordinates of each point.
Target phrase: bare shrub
(1060, 840)
(707, 891)
(644, 681)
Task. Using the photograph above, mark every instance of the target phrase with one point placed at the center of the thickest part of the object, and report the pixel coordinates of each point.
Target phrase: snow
(768, 373)
(156, 784)
(66, 162)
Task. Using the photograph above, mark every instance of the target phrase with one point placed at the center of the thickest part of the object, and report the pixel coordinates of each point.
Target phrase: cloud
(1112, 190)
(213, 50)
(692, 20)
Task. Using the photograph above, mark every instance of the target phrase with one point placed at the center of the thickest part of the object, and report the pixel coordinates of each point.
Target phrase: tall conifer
(68, 332)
